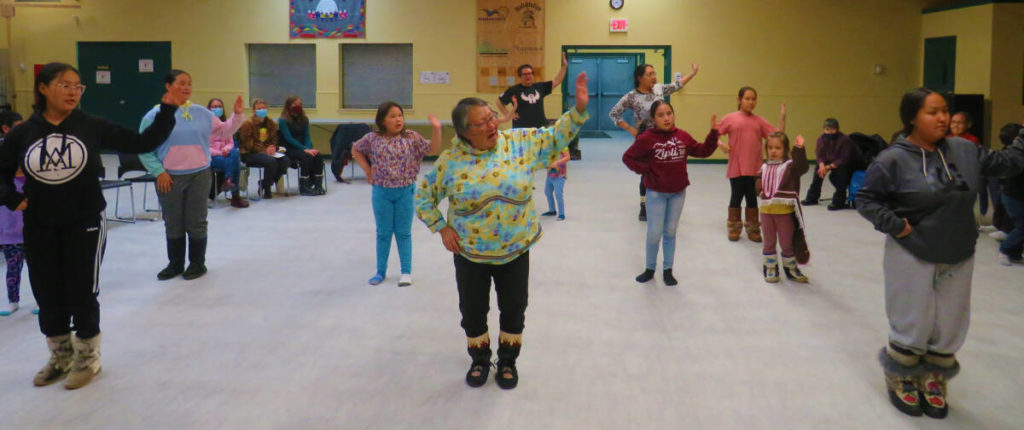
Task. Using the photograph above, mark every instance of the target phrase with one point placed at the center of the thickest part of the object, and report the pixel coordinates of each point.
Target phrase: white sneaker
(1005, 259)
(12, 308)
(998, 235)
(405, 280)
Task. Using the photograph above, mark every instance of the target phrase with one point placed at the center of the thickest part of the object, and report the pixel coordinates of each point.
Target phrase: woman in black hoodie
(59, 150)
(921, 192)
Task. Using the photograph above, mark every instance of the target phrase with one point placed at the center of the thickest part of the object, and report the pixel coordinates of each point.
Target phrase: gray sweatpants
(184, 207)
(928, 304)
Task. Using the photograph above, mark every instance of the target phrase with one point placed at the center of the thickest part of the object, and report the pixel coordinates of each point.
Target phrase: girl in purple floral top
(391, 158)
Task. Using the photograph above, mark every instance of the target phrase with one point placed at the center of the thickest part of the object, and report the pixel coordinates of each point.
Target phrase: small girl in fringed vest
(778, 195)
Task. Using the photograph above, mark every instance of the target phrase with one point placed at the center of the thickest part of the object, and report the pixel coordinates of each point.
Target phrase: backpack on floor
(868, 148)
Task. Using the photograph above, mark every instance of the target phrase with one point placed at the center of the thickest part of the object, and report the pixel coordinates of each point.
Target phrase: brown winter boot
(734, 224)
(237, 201)
(753, 225)
(60, 361)
(87, 362)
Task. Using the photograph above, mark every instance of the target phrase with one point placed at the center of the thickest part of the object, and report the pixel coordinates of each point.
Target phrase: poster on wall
(331, 19)
(508, 33)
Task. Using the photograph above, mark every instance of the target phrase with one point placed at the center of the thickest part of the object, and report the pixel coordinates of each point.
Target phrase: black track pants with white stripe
(64, 268)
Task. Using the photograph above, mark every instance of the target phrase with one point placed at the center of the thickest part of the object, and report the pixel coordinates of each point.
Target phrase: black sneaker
(506, 367)
(809, 202)
(481, 368)
(646, 276)
(836, 207)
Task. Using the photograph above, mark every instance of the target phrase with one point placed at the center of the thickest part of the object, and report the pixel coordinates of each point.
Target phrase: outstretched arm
(686, 79)
(561, 72)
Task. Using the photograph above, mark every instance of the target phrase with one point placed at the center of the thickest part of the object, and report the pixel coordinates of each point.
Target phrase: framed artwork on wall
(331, 19)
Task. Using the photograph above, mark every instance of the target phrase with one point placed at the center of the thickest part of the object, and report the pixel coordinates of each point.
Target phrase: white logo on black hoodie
(56, 158)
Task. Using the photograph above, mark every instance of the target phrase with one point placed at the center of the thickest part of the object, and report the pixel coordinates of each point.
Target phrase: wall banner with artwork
(508, 33)
(333, 19)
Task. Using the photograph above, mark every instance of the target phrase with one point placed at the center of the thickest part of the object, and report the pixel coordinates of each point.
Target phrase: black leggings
(511, 282)
(743, 187)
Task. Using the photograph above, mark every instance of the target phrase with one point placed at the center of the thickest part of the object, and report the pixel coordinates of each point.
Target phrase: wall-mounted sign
(435, 78)
(103, 77)
(618, 25)
(145, 65)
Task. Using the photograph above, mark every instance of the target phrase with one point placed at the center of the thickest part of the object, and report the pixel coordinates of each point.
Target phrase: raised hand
(694, 67)
(239, 107)
(582, 96)
(782, 110)
(434, 122)
(799, 141)
(565, 62)
(714, 122)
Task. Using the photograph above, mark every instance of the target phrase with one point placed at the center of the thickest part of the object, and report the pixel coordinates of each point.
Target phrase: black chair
(117, 184)
(130, 163)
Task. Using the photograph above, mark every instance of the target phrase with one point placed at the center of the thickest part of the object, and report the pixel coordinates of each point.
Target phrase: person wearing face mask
(294, 127)
(391, 158)
(259, 147)
(181, 166)
(646, 90)
(225, 156)
(836, 155)
(487, 177)
(58, 149)
(920, 192)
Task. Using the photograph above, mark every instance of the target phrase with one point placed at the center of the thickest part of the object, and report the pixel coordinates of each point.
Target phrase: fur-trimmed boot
(509, 345)
(87, 361)
(734, 224)
(753, 224)
(932, 385)
(479, 349)
(770, 269)
(902, 372)
(61, 355)
(793, 273)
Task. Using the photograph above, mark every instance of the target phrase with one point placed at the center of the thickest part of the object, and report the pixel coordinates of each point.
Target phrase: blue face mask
(217, 111)
(262, 113)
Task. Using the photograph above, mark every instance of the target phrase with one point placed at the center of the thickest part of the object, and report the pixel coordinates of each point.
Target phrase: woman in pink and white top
(224, 155)
(746, 132)
(391, 158)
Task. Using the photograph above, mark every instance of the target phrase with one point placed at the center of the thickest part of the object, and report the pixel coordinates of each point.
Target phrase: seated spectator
(224, 156)
(294, 127)
(257, 141)
(836, 156)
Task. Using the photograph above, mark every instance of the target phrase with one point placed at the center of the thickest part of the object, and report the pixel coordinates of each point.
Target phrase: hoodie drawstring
(924, 163)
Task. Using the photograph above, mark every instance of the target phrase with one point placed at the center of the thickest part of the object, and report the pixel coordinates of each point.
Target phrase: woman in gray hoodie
(920, 192)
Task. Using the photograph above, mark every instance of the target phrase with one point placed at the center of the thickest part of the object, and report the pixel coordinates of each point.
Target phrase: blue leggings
(393, 210)
(15, 256)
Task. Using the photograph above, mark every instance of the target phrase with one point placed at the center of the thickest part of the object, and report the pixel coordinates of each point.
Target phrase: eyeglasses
(80, 89)
(486, 122)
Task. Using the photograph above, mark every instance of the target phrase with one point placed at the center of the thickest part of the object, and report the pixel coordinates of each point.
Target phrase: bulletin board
(508, 33)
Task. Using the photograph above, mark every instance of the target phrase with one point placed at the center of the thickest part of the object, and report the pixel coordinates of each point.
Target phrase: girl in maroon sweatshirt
(659, 156)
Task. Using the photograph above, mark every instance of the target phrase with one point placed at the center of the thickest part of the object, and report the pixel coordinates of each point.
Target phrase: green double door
(124, 80)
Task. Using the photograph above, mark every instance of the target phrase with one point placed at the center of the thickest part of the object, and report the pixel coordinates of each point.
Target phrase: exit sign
(618, 25)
